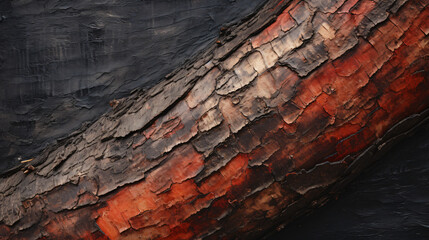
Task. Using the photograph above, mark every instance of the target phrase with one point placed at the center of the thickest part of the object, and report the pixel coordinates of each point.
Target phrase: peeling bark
(258, 130)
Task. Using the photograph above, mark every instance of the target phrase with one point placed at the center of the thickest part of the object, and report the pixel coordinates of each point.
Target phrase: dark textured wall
(389, 201)
(61, 61)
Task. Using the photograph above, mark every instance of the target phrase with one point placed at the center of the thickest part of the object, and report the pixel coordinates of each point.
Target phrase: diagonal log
(271, 121)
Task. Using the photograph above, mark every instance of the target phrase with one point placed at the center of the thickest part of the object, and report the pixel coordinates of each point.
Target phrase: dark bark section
(387, 201)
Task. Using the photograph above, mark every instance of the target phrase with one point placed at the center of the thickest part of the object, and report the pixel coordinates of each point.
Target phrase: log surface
(274, 118)
(386, 201)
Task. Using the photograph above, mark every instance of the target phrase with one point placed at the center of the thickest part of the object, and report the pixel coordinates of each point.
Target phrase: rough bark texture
(275, 118)
(387, 201)
(62, 61)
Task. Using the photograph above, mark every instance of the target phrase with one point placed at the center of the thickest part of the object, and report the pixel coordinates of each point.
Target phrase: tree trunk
(271, 121)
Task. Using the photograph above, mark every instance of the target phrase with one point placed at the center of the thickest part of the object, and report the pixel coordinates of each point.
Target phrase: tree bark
(268, 123)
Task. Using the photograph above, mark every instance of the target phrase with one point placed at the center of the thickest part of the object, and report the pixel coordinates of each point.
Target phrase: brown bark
(271, 121)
